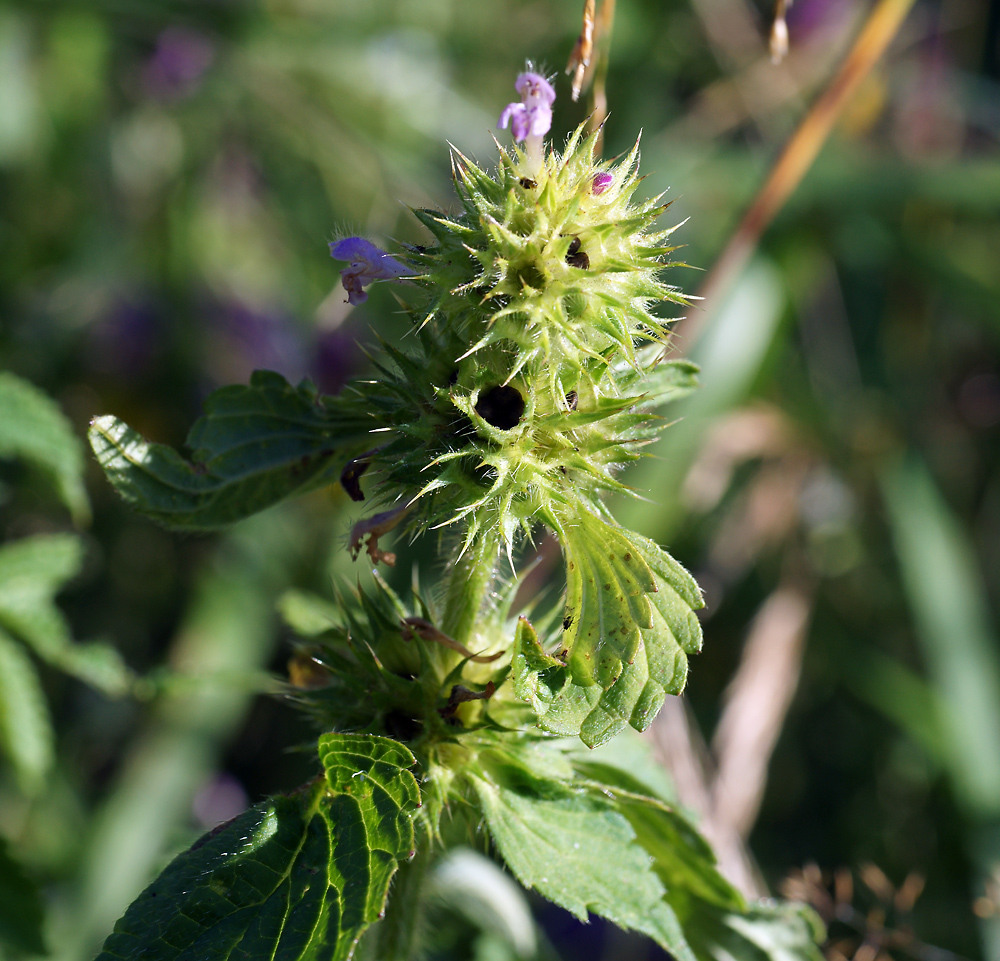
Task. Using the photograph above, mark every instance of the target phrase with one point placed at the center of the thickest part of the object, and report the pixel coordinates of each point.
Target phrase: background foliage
(170, 173)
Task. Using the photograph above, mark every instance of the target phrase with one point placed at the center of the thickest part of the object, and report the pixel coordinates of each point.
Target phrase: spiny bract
(530, 387)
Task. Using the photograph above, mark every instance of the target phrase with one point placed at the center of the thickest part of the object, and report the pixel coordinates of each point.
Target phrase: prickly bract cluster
(529, 381)
(531, 387)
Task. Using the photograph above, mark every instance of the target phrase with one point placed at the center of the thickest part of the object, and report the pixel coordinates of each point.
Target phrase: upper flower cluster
(524, 392)
(532, 117)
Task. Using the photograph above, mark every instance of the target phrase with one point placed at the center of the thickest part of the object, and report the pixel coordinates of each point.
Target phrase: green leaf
(576, 849)
(716, 922)
(308, 614)
(25, 727)
(951, 611)
(33, 427)
(21, 911)
(372, 772)
(297, 877)
(629, 627)
(682, 858)
(785, 931)
(32, 571)
(255, 446)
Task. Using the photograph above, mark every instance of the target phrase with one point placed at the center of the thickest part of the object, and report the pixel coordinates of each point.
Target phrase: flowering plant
(531, 380)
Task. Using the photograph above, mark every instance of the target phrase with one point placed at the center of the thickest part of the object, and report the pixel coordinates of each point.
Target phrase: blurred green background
(170, 175)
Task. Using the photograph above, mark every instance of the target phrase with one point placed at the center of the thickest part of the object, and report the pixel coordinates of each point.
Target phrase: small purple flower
(533, 116)
(368, 263)
(178, 63)
(601, 183)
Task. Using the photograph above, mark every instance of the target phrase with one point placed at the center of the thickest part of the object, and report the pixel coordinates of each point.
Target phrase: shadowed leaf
(21, 912)
(32, 571)
(254, 446)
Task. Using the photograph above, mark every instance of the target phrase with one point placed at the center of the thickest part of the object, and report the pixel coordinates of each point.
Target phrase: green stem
(469, 583)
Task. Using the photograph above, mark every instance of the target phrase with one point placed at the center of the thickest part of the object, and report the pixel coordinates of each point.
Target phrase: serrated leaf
(25, 727)
(32, 571)
(545, 683)
(297, 878)
(575, 849)
(629, 627)
(254, 446)
(21, 910)
(681, 857)
(766, 931)
(32, 427)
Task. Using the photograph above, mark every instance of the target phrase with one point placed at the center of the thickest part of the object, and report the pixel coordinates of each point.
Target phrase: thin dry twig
(797, 157)
(757, 701)
(589, 62)
(678, 744)
(579, 59)
(778, 41)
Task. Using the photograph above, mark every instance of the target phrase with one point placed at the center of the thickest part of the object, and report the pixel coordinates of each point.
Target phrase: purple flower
(368, 263)
(533, 116)
(601, 183)
(176, 67)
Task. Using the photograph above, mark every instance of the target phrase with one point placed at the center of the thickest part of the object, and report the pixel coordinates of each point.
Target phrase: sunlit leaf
(296, 878)
(254, 446)
(629, 627)
(308, 614)
(575, 848)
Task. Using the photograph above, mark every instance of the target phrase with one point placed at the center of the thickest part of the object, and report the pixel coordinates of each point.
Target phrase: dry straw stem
(756, 704)
(588, 63)
(725, 786)
(797, 157)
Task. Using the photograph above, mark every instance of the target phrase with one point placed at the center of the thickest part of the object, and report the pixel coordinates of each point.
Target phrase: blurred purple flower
(533, 116)
(219, 800)
(601, 183)
(337, 357)
(181, 58)
(368, 264)
(241, 337)
(128, 341)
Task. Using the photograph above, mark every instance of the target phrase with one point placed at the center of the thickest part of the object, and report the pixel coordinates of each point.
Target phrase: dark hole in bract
(528, 183)
(501, 406)
(575, 257)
